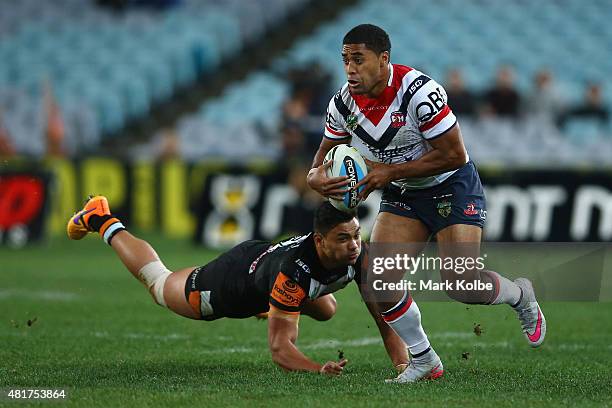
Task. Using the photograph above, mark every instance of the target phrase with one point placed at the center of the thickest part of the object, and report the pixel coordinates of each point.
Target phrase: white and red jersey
(396, 126)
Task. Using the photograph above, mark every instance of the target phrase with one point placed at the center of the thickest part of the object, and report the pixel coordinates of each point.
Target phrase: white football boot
(427, 367)
(530, 315)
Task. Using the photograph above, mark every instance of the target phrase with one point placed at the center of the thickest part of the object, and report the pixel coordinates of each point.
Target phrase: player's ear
(318, 238)
(384, 58)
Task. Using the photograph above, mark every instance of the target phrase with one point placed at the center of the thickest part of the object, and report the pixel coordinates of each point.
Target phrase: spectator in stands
(296, 116)
(6, 145)
(593, 106)
(169, 145)
(295, 109)
(297, 217)
(503, 99)
(545, 102)
(461, 100)
(307, 103)
(317, 80)
(55, 129)
(293, 142)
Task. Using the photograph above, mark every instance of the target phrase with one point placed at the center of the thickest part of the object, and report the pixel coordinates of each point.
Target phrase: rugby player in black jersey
(286, 279)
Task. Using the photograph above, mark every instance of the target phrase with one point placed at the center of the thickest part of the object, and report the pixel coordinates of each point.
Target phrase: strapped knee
(154, 275)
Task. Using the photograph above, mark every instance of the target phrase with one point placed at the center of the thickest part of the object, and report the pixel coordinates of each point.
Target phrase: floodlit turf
(96, 332)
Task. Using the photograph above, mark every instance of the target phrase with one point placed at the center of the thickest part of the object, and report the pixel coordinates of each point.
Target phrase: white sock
(154, 275)
(507, 291)
(405, 319)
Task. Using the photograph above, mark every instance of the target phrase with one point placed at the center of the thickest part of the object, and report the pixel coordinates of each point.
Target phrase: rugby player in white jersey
(398, 118)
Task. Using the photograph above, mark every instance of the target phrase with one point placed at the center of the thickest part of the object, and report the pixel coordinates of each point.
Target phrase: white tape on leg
(154, 275)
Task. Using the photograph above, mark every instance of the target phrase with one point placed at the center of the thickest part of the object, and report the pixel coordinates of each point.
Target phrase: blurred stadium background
(199, 118)
(145, 100)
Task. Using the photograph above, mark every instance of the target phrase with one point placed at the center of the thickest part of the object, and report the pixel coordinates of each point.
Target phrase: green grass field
(96, 332)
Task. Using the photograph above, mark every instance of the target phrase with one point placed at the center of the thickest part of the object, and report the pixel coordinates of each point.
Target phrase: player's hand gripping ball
(346, 161)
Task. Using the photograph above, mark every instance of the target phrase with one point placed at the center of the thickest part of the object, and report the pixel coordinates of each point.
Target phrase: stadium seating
(115, 65)
(443, 34)
(446, 33)
(107, 68)
(246, 113)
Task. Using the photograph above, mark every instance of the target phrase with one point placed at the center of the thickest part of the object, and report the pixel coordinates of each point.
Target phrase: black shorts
(225, 288)
(457, 200)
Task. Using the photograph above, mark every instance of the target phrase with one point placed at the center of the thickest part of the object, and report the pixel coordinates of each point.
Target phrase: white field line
(53, 295)
(452, 335)
(324, 344)
(330, 343)
(171, 336)
(359, 342)
(368, 342)
(333, 343)
(144, 336)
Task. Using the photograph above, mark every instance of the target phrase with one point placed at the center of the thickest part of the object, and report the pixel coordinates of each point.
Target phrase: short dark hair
(374, 38)
(327, 217)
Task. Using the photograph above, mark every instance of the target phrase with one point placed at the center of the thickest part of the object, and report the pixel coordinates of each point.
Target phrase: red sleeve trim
(334, 132)
(436, 119)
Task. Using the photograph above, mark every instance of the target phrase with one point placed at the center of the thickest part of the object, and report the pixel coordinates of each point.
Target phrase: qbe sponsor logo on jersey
(428, 109)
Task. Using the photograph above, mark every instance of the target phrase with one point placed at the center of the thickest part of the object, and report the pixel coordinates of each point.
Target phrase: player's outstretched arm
(395, 346)
(282, 334)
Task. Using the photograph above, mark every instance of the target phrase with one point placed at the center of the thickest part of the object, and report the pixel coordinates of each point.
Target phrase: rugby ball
(346, 161)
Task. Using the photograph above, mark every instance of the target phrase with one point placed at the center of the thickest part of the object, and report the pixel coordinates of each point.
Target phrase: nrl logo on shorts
(444, 208)
(351, 122)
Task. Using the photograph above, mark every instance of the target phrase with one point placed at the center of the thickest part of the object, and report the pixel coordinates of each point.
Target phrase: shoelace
(526, 316)
(412, 365)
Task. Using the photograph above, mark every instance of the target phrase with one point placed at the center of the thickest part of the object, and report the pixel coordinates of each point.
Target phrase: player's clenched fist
(333, 367)
(379, 175)
(332, 187)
